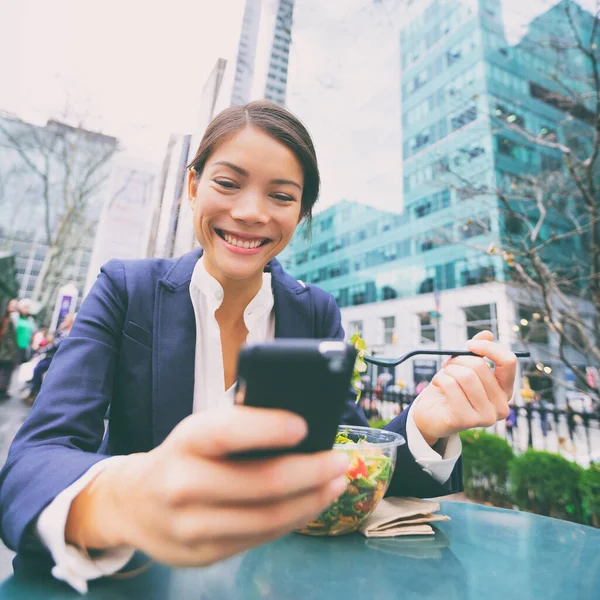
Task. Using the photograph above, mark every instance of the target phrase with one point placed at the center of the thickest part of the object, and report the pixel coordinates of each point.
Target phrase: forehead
(259, 153)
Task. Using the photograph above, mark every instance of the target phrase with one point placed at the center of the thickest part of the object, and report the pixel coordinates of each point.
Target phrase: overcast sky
(138, 70)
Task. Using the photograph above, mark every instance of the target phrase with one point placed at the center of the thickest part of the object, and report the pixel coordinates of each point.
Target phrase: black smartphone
(309, 377)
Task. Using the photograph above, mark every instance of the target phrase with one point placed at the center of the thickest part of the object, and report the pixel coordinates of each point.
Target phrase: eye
(226, 184)
(283, 197)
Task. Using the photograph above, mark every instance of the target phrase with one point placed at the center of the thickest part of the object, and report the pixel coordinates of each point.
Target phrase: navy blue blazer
(132, 347)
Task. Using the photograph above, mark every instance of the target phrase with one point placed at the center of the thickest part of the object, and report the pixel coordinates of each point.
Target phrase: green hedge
(547, 484)
(590, 494)
(536, 481)
(486, 460)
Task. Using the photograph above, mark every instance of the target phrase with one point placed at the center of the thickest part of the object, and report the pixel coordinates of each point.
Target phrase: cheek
(205, 209)
(289, 226)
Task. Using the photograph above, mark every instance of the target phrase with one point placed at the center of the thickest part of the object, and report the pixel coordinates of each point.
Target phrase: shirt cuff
(439, 466)
(72, 566)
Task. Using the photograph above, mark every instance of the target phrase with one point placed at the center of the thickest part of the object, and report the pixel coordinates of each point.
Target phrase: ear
(192, 187)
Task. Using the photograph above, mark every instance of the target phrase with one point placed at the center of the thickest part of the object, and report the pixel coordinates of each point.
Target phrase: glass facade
(276, 86)
(464, 90)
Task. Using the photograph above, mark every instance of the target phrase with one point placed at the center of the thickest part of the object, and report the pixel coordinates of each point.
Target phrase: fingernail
(338, 487)
(341, 462)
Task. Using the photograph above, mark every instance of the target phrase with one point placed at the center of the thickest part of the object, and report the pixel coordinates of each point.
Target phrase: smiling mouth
(242, 242)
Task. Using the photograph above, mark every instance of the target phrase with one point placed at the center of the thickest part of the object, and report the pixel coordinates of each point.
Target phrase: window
(342, 298)
(506, 147)
(389, 293)
(358, 295)
(389, 330)
(551, 163)
(464, 118)
(423, 210)
(513, 224)
(509, 115)
(481, 318)
(426, 286)
(427, 244)
(560, 102)
(473, 228)
(428, 328)
(477, 275)
(327, 223)
(353, 326)
(453, 55)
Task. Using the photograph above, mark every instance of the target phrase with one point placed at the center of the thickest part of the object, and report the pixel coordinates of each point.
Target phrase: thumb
(219, 433)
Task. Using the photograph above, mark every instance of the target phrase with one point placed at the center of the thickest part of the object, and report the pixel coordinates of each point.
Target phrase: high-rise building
(246, 57)
(172, 230)
(123, 228)
(463, 85)
(276, 85)
(168, 197)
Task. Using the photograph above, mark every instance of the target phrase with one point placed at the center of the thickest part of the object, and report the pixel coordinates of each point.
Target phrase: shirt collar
(212, 290)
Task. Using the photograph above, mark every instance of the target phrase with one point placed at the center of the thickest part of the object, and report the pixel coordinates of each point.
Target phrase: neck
(237, 294)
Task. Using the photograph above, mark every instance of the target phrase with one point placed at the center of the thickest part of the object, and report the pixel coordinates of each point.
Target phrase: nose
(251, 208)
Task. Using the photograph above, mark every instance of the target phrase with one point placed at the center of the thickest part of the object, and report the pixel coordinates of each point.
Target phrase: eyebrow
(245, 173)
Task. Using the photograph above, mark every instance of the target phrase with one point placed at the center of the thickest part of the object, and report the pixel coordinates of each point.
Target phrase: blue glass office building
(462, 87)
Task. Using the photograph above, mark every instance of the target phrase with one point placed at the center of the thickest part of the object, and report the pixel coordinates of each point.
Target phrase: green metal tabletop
(480, 553)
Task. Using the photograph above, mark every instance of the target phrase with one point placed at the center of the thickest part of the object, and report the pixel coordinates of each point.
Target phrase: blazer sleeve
(409, 479)
(60, 438)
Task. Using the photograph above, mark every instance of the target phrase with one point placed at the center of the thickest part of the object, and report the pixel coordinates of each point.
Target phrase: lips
(242, 241)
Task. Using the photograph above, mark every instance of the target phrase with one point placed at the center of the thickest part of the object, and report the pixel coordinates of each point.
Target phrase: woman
(47, 348)
(158, 340)
(8, 351)
(25, 327)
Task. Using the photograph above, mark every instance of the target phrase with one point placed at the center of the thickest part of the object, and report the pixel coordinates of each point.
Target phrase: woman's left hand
(467, 392)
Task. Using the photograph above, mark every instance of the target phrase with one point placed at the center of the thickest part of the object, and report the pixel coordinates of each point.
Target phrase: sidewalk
(13, 412)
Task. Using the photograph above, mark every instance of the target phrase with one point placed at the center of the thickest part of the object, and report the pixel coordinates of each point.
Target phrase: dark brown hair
(280, 124)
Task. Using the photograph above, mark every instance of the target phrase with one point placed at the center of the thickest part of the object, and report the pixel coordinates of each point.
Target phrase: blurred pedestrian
(47, 351)
(13, 310)
(510, 423)
(9, 351)
(25, 328)
(571, 421)
(544, 409)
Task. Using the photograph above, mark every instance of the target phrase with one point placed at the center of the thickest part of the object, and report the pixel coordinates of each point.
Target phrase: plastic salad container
(373, 458)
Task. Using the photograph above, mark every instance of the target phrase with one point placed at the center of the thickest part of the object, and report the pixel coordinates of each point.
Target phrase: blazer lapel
(174, 339)
(294, 315)
(174, 346)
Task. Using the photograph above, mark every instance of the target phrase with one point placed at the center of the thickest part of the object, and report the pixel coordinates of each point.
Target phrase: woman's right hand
(185, 503)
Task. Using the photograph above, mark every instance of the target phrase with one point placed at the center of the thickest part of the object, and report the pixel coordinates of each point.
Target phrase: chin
(232, 269)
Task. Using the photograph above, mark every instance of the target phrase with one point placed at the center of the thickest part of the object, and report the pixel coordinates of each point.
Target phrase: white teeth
(241, 244)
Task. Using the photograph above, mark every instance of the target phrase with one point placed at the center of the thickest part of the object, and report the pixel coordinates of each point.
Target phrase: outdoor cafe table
(482, 553)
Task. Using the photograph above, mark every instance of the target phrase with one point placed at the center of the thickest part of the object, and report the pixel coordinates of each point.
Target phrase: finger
(484, 335)
(461, 408)
(505, 362)
(495, 394)
(217, 434)
(474, 391)
(198, 532)
(261, 481)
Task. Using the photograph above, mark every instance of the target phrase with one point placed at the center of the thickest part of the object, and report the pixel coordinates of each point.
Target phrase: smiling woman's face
(246, 203)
